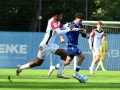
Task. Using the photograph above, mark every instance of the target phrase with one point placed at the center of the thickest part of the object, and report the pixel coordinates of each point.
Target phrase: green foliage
(16, 14)
(107, 10)
(69, 8)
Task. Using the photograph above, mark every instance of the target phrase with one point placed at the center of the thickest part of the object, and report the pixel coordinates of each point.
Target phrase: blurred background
(22, 15)
(23, 24)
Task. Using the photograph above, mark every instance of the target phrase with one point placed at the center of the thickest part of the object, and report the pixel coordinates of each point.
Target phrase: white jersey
(95, 41)
(47, 45)
(51, 33)
(96, 38)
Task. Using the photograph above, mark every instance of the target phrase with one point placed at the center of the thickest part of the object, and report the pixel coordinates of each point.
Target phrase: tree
(69, 8)
(107, 10)
(22, 15)
(16, 15)
(34, 22)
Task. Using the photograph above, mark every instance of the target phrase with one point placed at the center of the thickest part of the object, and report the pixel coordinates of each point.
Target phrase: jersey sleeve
(70, 23)
(54, 25)
(91, 38)
(61, 25)
(102, 36)
(92, 33)
(65, 26)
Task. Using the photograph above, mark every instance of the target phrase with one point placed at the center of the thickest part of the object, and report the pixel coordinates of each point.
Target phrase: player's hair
(79, 15)
(99, 23)
(57, 12)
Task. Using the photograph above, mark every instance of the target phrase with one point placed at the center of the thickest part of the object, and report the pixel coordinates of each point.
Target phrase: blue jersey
(73, 35)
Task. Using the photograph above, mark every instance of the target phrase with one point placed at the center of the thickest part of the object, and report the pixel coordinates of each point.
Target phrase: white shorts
(45, 50)
(96, 51)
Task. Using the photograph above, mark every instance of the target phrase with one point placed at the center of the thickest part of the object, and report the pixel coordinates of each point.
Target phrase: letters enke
(13, 48)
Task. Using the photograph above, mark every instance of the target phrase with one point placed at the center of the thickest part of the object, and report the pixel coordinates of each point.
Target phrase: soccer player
(47, 45)
(72, 45)
(102, 55)
(95, 41)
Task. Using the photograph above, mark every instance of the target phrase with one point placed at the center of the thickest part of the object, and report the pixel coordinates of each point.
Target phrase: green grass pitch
(37, 79)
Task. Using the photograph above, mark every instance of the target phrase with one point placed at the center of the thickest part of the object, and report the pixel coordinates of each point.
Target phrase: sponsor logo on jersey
(55, 25)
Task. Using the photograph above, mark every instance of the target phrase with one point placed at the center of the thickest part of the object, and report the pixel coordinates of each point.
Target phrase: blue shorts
(73, 50)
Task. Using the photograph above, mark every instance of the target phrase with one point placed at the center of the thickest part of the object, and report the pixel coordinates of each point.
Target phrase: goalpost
(112, 60)
(107, 27)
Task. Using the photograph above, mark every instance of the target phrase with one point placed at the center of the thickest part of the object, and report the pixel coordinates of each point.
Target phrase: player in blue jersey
(72, 49)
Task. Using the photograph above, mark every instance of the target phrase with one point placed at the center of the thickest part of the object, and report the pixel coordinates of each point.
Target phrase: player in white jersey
(95, 41)
(47, 45)
(72, 46)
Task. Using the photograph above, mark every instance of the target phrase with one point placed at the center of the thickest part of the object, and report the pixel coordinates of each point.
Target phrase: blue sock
(77, 69)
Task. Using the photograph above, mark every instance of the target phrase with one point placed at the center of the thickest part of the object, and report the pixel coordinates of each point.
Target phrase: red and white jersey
(51, 34)
(96, 38)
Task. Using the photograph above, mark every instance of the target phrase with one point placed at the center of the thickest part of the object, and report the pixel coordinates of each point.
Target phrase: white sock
(57, 66)
(61, 67)
(24, 66)
(53, 67)
(93, 66)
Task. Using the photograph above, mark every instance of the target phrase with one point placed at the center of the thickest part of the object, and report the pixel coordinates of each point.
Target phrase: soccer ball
(83, 78)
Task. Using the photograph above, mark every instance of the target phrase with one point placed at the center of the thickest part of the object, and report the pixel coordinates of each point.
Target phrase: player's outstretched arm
(91, 39)
(60, 32)
(90, 43)
(83, 35)
(66, 26)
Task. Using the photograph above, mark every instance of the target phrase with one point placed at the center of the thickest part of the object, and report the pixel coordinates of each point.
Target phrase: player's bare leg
(79, 63)
(35, 63)
(68, 60)
(95, 60)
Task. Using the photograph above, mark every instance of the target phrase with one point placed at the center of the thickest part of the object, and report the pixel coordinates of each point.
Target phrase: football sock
(53, 67)
(24, 66)
(77, 69)
(62, 62)
(57, 66)
(93, 66)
